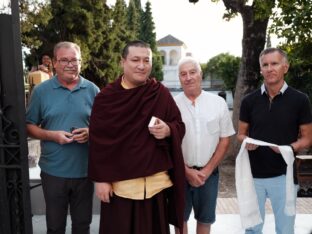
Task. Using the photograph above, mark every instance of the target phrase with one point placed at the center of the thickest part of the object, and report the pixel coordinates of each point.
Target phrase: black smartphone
(72, 129)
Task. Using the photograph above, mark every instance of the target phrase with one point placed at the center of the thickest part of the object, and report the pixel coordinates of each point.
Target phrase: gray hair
(189, 59)
(66, 44)
(272, 50)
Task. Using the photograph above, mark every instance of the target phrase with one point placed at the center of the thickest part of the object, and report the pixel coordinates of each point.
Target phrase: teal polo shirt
(55, 107)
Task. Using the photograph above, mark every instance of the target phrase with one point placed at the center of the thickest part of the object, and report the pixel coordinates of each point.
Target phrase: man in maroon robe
(136, 161)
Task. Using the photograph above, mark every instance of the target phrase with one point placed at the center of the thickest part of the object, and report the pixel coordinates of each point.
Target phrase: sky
(200, 26)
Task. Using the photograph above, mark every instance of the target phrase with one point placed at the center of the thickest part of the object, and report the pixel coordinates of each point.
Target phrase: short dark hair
(45, 55)
(135, 43)
(272, 50)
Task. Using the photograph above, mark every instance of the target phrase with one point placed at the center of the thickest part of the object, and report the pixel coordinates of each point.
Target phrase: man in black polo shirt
(279, 114)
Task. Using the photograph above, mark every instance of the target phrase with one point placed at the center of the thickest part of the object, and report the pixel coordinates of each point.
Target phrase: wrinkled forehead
(64, 52)
(273, 56)
(189, 66)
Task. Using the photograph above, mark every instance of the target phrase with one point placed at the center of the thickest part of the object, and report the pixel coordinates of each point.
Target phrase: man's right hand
(104, 191)
(194, 177)
(61, 137)
(251, 147)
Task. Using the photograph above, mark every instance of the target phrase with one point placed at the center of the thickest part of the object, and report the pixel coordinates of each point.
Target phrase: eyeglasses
(65, 62)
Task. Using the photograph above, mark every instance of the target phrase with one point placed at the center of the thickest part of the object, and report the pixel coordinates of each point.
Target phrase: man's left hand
(275, 149)
(81, 135)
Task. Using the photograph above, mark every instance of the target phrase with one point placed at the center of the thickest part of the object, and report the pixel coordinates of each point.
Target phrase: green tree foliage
(83, 22)
(147, 34)
(101, 66)
(300, 72)
(35, 16)
(293, 24)
(134, 15)
(223, 66)
(294, 21)
(78, 24)
(100, 31)
(120, 33)
(255, 16)
(137, 4)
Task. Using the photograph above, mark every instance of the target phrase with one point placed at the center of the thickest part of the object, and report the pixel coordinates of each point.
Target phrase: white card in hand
(152, 122)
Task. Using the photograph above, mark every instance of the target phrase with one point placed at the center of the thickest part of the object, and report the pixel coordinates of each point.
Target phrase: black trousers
(63, 193)
(127, 216)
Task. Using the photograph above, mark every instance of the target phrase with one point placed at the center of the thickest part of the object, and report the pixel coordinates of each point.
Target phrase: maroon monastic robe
(121, 146)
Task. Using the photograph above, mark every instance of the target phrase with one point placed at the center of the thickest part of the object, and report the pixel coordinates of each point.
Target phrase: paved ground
(225, 224)
(229, 206)
(228, 221)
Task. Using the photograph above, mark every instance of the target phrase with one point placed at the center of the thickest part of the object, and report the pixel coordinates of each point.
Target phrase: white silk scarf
(245, 189)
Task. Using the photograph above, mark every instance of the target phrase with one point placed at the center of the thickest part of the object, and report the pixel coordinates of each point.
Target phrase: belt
(215, 171)
(196, 168)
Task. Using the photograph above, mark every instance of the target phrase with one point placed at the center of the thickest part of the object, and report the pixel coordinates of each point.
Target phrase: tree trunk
(254, 35)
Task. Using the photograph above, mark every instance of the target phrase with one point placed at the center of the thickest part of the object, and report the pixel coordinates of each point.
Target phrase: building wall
(171, 56)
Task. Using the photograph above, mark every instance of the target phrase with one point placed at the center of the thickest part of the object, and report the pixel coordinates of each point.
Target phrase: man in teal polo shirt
(58, 114)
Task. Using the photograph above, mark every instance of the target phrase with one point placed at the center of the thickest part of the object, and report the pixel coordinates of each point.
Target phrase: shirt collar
(56, 84)
(283, 89)
(188, 101)
(196, 100)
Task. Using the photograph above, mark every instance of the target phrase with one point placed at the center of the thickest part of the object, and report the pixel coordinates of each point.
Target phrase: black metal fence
(15, 208)
(304, 174)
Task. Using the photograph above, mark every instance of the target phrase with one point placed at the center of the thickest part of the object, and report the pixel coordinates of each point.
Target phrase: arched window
(173, 57)
(163, 56)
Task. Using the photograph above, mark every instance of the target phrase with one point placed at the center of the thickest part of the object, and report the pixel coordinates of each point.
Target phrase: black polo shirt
(275, 121)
